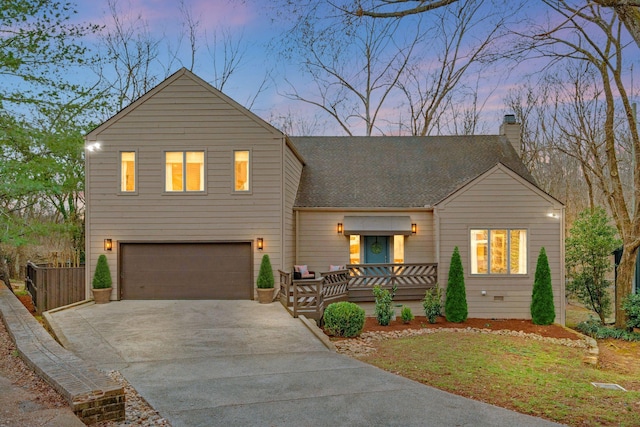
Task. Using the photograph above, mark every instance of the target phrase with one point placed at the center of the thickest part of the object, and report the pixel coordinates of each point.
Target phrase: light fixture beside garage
(260, 243)
(339, 228)
(108, 245)
(414, 228)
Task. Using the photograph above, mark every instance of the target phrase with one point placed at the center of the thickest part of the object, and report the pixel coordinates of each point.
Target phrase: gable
(499, 182)
(180, 103)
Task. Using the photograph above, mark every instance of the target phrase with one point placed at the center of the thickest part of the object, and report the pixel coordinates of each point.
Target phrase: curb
(92, 395)
(311, 325)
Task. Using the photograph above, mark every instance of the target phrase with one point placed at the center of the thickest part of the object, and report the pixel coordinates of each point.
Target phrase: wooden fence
(53, 287)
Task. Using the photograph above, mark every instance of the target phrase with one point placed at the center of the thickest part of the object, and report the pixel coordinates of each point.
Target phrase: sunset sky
(259, 30)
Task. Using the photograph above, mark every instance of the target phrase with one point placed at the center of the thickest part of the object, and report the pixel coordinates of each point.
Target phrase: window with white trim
(498, 251)
(241, 171)
(184, 171)
(128, 171)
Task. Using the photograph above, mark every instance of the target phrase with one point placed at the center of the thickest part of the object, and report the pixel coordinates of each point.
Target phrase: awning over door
(377, 225)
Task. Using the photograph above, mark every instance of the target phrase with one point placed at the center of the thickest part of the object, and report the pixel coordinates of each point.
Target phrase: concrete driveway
(239, 363)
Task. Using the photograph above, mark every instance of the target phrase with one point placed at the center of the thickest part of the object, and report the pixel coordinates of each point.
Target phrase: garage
(164, 271)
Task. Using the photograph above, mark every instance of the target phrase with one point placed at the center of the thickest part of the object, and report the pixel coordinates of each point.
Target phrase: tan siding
(321, 246)
(292, 173)
(500, 200)
(186, 116)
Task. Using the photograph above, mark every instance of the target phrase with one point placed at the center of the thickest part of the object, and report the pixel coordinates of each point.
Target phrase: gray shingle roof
(372, 172)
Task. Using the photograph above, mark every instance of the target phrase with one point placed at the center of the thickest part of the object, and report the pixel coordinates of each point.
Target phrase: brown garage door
(186, 271)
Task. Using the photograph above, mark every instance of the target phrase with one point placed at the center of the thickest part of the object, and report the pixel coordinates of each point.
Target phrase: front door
(376, 249)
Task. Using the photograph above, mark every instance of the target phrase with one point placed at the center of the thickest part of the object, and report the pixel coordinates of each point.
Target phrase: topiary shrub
(384, 312)
(405, 314)
(542, 308)
(102, 275)
(631, 306)
(455, 308)
(344, 319)
(432, 303)
(265, 275)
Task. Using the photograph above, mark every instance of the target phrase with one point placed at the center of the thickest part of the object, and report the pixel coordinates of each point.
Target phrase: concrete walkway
(210, 363)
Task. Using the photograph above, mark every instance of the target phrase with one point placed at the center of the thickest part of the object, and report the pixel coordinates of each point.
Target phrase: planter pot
(101, 296)
(265, 295)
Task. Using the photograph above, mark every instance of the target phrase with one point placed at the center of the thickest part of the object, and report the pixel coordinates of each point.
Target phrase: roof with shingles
(405, 172)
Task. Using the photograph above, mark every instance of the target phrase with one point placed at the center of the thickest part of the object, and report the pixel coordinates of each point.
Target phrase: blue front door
(376, 249)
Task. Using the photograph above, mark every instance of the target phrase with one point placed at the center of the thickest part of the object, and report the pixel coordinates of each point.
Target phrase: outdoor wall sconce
(339, 228)
(260, 243)
(108, 245)
(414, 228)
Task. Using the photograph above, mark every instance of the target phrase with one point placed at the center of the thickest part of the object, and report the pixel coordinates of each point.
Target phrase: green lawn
(532, 377)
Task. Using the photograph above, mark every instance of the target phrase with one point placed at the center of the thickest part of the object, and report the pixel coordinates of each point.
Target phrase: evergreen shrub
(542, 308)
(406, 314)
(455, 308)
(344, 319)
(631, 306)
(432, 303)
(102, 275)
(265, 275)
(383, 310)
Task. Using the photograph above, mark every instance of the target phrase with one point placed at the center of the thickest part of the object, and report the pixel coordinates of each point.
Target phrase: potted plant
(101, 281)
(265, 281)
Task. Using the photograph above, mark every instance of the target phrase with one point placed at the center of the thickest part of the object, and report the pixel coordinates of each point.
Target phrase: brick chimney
(511, 129)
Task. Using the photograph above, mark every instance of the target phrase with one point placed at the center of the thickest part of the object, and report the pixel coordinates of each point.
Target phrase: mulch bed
(27, 302)
(551, 331)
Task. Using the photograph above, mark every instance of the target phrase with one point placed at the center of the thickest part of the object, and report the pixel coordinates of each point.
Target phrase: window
(128, 171)
(499, 251)
(241, 171)
(184, 171)
(354, 249)
(398, 249)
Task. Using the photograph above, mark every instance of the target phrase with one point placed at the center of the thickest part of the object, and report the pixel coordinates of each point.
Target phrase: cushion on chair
(336, 267)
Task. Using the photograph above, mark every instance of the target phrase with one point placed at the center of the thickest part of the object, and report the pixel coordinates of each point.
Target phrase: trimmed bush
(384, 312)
(455, 308)
(406, 314)
(542, 308)
(102, 275)
(344, 319)
(631, 306)
(265, 276)
(432, 303)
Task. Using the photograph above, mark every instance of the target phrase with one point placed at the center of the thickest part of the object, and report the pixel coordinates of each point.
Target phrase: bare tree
(462, 36)
(131, 52)
(354, 67)
(628, 11)
(592, 35)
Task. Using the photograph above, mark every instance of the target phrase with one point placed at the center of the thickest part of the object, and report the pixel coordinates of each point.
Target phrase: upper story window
(498, 251)
(184, 171)
(241, 171)
(128, 171)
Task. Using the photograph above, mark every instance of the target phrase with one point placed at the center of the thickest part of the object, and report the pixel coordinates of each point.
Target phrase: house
(190, 189)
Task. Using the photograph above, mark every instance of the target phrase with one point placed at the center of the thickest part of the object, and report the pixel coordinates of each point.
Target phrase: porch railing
(411, 280)
(311, 296)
